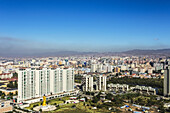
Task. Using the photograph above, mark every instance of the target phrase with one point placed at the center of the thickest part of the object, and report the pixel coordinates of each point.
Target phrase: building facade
(101, 83)
(118, 87)
(144, 90)
(167, 81)
(94, 83)
(33, 83)
(6, 75)
(87, 83)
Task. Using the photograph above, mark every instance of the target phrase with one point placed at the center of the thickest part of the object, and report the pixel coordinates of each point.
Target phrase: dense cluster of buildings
(128, 66)
(134, 67)
(55, 76)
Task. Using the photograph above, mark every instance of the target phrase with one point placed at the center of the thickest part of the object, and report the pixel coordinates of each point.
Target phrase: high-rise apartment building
(93, 67)
(34, 83)
(101, 68)
(94, 83)
(167, 81)
(87, 83)
(101, 82)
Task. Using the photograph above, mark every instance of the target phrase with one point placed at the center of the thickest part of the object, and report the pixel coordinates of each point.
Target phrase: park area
(63, 107)
(110, 104)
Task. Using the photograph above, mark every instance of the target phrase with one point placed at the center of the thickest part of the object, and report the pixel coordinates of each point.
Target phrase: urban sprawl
(86, 84)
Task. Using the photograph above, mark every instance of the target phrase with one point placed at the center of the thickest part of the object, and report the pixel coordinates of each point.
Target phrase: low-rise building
(6, 75)
(118, 87)
(144, 90)
(8, 90)
(167, 105)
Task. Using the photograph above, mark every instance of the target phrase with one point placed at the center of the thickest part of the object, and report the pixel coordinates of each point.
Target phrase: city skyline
(87, 26)
(84, 56)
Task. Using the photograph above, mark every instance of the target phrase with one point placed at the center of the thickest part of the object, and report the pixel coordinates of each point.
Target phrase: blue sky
(84, 25)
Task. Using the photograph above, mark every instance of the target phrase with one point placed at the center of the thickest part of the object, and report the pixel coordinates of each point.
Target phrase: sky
(83, 25)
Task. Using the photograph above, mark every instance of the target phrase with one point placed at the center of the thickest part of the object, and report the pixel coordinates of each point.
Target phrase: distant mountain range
(45, 54)
(63, 53)
(162, 52)
(158, 52)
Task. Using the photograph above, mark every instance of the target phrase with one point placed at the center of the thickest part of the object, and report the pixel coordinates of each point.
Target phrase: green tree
(3, 96)
(16, 93)
(40, 110)
(95, 99)
(11, 95)
(12, 85)
(15, 75)
(109, 96)
(0, 92)
(15, 84)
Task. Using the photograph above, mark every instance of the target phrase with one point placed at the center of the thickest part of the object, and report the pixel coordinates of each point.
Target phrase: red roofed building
(6, 75)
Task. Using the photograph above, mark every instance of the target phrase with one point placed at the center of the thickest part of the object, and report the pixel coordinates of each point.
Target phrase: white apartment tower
(34, 83)
(89, 84)
(101, 68)
(101, 82)
(93, 67)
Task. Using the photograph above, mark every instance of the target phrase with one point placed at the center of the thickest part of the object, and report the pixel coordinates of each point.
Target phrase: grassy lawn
(31, 105)
(52, 102)
(68, 111)
(72, 111)
(65, 98)
(80, 108)
(142, 98)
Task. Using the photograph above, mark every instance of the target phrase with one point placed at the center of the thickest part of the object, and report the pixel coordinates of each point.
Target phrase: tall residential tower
(34, 83)
(94, 83)
(167, 81)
